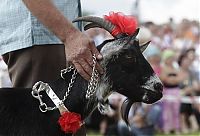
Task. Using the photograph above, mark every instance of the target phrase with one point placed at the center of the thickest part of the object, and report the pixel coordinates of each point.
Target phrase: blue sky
(158, 11)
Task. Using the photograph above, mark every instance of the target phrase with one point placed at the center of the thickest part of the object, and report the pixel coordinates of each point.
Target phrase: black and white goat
(126, 72)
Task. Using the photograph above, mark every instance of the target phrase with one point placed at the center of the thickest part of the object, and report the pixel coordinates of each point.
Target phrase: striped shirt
(20, 29)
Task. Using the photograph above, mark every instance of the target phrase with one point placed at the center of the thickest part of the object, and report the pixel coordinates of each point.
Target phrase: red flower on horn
(70, 122)
(124, 24)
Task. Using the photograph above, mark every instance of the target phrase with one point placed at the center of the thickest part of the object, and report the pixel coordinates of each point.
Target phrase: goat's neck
(104, 88)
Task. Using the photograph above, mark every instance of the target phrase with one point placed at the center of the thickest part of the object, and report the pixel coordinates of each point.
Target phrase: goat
(126, 72)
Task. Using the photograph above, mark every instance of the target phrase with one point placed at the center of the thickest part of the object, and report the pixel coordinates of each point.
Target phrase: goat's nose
(158, 87)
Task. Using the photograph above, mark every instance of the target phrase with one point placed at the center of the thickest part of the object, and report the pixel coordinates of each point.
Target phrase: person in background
(168, 37)
(193, 68)
(144, 120)
(153, 55)
(171, 78)
(195, 71)
(188, 87)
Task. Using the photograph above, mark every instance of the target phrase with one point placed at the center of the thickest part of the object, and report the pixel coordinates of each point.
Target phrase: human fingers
(81, 71)
(86, 66)
(97, 66)
(99, 57)
(95, 51)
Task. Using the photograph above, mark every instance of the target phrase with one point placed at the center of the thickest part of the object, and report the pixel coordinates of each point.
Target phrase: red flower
(123, 23)
(70, 122)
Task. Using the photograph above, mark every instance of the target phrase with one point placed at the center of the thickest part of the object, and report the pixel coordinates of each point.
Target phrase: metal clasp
(43, 107)
(37, 88)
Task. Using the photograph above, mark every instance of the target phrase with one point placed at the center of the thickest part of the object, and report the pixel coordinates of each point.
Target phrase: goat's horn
(97, 20)
(125, 110)
(144, 46)
(91, 25)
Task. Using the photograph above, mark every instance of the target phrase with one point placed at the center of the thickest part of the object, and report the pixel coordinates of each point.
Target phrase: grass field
(91, 133)
(193, 134)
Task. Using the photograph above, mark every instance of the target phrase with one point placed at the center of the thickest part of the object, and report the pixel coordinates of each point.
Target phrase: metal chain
(64, 71)
(94, 80)
(70, 84)
(90, 90)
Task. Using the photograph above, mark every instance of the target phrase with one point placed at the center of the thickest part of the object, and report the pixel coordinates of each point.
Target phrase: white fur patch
(151, 82)
(111, 47)
(104, 89)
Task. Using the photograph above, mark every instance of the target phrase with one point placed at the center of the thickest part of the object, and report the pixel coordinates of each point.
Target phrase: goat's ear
(99, 47)
(132, 40)
(133, 43)
(135, 34)
(144, 46)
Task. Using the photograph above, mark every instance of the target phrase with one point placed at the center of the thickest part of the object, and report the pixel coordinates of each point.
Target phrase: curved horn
(97, 20)
(127, 104)
(91, 25)
(125, 110)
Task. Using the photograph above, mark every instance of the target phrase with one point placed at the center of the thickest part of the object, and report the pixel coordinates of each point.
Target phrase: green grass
(192, 134)
(93, 133)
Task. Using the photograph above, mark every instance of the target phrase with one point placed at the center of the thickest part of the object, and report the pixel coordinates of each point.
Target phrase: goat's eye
(131, 58)
(127, 56)
(134, 59)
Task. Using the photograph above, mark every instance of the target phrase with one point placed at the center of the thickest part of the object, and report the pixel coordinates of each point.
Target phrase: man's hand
(79, 49)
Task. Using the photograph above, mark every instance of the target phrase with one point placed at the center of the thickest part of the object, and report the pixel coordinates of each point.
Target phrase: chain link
(94, 80)
(92, 86)
(70, 85)
(64, 71)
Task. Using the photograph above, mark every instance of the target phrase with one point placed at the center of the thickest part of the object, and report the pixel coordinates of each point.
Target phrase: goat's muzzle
(150, 97)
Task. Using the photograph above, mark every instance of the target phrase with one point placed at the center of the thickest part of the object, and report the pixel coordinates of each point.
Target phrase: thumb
(94, 50)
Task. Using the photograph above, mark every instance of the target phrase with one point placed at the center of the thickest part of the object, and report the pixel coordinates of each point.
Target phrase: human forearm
(51, 17)
(79, 48)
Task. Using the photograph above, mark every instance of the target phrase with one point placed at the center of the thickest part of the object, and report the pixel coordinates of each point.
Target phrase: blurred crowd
(174, 54)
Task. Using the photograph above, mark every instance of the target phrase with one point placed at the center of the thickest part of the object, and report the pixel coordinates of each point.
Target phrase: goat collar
(70, 122)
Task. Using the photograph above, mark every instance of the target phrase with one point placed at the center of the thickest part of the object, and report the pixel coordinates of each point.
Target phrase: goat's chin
(150, 96)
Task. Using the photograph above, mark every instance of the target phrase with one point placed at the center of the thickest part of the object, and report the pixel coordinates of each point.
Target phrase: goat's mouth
(150, 96)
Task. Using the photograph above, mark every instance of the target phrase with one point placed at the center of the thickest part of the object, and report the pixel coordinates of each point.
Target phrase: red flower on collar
(70, 122)
(124, 24)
